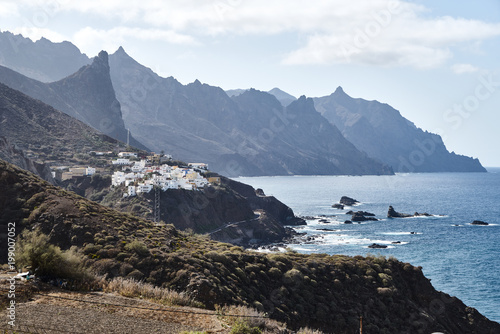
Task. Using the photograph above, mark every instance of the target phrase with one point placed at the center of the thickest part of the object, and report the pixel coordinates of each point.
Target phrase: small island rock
(377, 246)
(479, 222)
(348, 201)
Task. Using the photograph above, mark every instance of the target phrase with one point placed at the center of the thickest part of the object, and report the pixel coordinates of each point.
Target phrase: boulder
(377, 246)
(360, 217)
(348, 201)
(348, 222)
(338, 206)
(479, 222)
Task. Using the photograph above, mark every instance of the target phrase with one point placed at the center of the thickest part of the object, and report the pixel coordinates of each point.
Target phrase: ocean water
(461, 259)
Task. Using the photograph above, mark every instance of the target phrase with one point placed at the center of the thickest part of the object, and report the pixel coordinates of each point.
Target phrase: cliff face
(249, 134)
(42, 60)
(87, 95)
(319, 291)
(14, 155)
(381, 132)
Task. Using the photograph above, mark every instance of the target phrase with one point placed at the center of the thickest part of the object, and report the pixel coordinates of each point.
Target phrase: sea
(461, 259)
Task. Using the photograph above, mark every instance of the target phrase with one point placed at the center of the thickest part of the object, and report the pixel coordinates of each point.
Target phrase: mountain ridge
(217, 129)
(389, 137)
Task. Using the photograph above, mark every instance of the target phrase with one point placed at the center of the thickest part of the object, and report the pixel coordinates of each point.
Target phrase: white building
(90, 171)
(121, 162)
(198, 165)
(127, 155)
(144, 188)
(131, 191)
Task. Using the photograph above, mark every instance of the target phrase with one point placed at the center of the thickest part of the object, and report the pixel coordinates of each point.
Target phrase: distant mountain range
(249, 134)
(380, 131)
(42, 60)
(238, 132)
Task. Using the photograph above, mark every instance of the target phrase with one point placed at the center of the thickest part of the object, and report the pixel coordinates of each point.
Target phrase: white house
(121, 162)
(198, 165)
(90, 171)
(127, 154)
(144, 188)
(131, 191)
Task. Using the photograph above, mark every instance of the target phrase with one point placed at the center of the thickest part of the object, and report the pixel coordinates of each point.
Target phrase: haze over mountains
(249, 133)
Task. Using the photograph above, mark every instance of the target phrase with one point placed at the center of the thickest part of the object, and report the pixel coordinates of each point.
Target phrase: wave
(400, 233)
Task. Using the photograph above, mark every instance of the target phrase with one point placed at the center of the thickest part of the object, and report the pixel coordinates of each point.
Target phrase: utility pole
(156, 211)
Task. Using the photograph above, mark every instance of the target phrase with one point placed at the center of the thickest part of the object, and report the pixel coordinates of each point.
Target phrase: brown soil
(59, 311)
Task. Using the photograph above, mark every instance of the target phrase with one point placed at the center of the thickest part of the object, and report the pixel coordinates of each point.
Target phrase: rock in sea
(479, 222)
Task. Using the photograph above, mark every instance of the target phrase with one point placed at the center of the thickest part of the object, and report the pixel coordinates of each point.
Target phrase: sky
(437, 62)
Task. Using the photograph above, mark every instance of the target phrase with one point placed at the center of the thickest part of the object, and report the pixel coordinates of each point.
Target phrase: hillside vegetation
(320, 291)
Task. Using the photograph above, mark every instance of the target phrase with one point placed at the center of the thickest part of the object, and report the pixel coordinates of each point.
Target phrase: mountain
(384, 134)
(42, 60)
(317, 290)
(284, 98)
(87, 95)
(235, 92)
(249, 134)
(44, 132)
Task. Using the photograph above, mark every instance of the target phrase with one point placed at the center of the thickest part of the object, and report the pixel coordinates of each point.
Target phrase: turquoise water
(461, 259)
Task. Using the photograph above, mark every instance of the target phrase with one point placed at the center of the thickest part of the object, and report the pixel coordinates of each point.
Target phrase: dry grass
(133, 288)
(233, 315)
(307, 330)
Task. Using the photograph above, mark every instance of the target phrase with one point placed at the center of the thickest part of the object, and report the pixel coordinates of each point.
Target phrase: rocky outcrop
(391, 213)
(338, 206)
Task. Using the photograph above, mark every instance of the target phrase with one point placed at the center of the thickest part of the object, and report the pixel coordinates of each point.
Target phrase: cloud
(372, 32)
(464, 68)
(9, 9)
(97, 39)
(35, 34)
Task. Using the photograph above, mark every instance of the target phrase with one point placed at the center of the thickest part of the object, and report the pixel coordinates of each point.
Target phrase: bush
(138, 247)
(242, 327)
(46, 259)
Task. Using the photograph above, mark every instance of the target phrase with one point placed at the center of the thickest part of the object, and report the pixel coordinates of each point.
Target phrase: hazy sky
(435, 61)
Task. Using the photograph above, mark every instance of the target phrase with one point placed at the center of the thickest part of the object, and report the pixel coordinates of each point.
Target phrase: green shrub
(241, 327)
(138, 247)
(45, 259)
